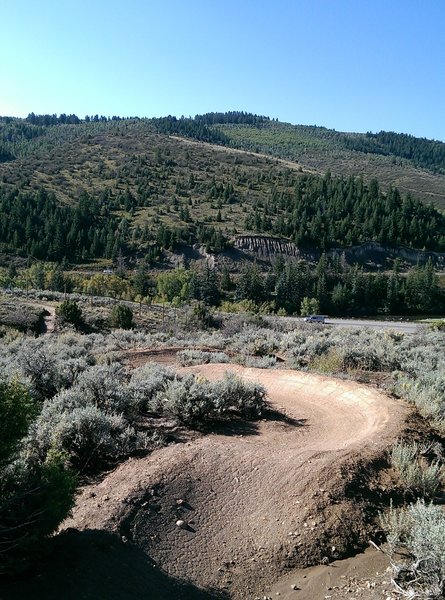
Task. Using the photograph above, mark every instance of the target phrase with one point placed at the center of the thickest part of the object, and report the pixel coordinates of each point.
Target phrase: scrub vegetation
(190, 240)
(71, 410)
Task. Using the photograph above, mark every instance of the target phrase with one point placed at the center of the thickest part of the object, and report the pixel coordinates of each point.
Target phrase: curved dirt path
(259, 500)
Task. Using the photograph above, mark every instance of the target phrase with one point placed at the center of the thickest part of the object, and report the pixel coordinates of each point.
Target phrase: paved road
(403, 326)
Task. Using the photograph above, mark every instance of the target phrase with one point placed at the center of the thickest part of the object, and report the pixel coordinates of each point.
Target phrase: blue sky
(362, 65)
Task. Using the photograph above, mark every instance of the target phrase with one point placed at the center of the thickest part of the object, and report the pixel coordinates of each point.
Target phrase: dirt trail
(256, 501)
(49, 319)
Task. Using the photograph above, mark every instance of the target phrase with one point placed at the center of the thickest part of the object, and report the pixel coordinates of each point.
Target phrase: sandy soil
(258, 500)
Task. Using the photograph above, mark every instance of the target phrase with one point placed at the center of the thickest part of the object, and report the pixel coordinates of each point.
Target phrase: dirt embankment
(255, 501)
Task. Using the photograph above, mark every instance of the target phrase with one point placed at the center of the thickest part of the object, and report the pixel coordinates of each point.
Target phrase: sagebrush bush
(329, 362)
(194, 399)
(35, 494)
(47, 364)
(93, 421)
(199, 357)
(414, 472)
(104, 386)
(145, 383)
(88, 436)
(354, 350)
(257, 362)
(420, 530)
(249, 398)
(187, 399)
(256, 341)
(427, 391)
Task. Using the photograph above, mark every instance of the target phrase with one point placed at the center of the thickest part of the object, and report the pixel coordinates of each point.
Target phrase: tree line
(429, 154)
(327, 211)
(48, 120)
(330, 286)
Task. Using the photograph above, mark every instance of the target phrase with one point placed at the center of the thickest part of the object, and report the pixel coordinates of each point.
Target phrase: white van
(315, 319)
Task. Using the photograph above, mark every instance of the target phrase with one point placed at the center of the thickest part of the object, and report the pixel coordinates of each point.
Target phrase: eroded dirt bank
(255, 501)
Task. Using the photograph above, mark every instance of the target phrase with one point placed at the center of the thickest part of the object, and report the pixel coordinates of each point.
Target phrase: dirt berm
(256, 500)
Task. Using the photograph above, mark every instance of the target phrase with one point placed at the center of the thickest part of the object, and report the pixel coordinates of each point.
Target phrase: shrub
(50, 365)
(21, 316)
(34, 498)
(200, 357)
(104, 386)
(146, 382)
(121, 317)
(70, 312)
(194, 399)
(420, 530)
(415, 474)
(88, 436)
(34, 495)
(187, 399)
(248, 397)
(257, 362)
(329, 362)
(16, 412)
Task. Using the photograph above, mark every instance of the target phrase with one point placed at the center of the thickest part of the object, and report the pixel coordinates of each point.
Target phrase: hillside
(399, 160)
(86, 190)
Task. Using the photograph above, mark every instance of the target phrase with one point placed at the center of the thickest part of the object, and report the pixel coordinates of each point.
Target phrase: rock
(180, 523)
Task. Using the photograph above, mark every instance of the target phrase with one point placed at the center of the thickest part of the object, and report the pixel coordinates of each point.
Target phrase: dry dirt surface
(233, 512)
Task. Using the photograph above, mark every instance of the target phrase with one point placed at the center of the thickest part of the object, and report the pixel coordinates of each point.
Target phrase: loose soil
(257, 501)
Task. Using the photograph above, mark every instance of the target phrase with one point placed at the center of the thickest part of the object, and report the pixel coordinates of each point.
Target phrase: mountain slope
(98, 187)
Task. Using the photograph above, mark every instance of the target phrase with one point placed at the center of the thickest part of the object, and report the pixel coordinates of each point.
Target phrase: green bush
(17, 409)
(70, 312)
(35, 495)
(89, 437)
(34, 498)
(121, 317)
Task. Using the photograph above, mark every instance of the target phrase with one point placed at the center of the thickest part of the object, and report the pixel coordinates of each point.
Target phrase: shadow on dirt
(240, 427)
(92, 565)
(279, 417)
(233, 427)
